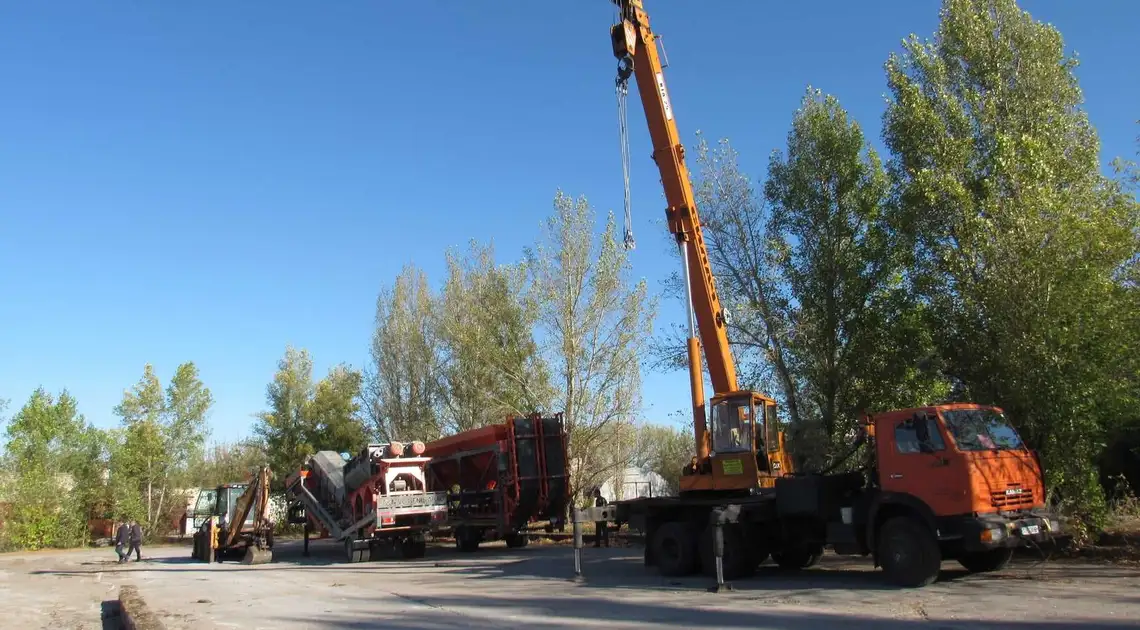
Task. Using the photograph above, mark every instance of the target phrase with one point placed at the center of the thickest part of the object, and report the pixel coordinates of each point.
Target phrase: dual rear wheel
(679, 551)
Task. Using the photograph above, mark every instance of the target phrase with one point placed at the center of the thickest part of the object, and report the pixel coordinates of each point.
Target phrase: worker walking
(122, 538)
(136, 541)
(602, 532)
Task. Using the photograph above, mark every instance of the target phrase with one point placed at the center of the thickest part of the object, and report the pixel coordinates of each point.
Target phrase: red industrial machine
(376, 499)
(502, 478)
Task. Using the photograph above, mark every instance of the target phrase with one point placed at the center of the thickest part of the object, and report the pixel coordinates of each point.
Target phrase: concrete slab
(531, 588)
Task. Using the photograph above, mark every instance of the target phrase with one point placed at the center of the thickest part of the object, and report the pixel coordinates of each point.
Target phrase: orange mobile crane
(942, 481)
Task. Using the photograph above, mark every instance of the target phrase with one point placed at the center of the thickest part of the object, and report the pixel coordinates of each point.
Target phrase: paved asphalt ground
(530, 588)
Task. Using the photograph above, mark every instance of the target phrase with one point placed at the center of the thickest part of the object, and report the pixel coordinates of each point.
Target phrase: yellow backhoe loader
(239, 522)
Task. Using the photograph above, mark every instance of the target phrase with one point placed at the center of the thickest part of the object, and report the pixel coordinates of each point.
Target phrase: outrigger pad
(253, 555)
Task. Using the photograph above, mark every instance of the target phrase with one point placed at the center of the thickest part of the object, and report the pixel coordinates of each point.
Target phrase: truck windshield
(981, 430)
(732, 426)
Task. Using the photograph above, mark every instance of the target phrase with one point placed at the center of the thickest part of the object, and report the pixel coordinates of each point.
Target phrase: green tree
(306, 417)
(227, 463)
(489, 366)
(162, 432)
(402, 387)
(285, 428)
(1017, 234)
(857, 335)
(595, 327)
(335, 411)
(665, 449)
(53, 465)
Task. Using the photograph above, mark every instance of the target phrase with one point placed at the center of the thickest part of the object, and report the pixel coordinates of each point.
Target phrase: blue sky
(212, 181)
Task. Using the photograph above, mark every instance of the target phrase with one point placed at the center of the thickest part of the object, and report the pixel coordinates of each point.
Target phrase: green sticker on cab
(732, 467)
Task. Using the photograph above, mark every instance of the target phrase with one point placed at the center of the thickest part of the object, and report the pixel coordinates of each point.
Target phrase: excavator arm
(259, 549)
(635, 46)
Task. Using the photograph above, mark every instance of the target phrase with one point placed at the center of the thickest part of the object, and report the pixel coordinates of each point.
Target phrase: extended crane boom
(733, 412)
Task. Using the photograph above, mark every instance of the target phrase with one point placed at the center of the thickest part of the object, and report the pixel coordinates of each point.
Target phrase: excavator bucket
(254, 555)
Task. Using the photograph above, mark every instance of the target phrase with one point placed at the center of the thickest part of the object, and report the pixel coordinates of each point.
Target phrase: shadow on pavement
(438, 613)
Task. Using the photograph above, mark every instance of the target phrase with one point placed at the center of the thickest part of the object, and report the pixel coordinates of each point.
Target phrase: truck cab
(955, 479)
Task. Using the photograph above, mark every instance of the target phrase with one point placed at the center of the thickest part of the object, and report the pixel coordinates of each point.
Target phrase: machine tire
(798, 557)
(675, 549)
(467, 539)
(739, 558)
(516, 540)
(908, 553)
(413, 547)
(986, 561)
(355, 555)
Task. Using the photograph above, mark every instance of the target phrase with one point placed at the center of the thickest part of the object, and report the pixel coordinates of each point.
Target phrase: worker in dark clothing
(136, 541)
(122, 539)
(602, 532)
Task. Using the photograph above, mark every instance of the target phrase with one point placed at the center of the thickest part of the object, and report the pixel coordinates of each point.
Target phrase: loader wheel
(675, 549)
(798, 558)
(516, 541)
(986, 561)
(738, 558)
(908, 553)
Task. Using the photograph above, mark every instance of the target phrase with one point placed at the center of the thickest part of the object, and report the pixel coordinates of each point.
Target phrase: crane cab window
(732, 426)
(910, 435)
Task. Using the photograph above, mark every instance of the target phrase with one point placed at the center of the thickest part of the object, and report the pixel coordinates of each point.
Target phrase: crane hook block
(624, 39)
(625, 70)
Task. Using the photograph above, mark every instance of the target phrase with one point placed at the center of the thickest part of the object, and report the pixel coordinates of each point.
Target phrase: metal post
(577, 524)
(718, 550)
(307, 527)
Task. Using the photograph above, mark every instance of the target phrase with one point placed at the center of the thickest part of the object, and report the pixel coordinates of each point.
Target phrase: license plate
(1030, 530)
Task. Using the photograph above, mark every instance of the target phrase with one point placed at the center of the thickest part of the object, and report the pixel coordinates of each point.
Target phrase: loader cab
(746, 446)
(957, 459)
(222, 501)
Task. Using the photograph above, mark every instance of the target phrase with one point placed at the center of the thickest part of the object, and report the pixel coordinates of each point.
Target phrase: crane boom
(684, 220)
(743, 421)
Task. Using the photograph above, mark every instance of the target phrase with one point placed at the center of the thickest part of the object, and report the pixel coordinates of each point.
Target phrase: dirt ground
(531, 588)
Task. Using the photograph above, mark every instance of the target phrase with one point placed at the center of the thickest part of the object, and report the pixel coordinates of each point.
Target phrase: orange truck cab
(943, 482)
(951, 481)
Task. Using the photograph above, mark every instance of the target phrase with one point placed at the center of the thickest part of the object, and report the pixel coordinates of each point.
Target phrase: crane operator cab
(744, 444)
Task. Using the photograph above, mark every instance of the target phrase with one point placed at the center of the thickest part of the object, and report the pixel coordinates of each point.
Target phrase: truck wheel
(352, 554)
(739, 561)
(986, 561)
(675, 550)
(467, 539)
(516, 541)
(908, 553)
(413, 547)
(798, 557)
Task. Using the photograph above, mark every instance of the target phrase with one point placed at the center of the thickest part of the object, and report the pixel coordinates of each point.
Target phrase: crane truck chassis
(948, 481)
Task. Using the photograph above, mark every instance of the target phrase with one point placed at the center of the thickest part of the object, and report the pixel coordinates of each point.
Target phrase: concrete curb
(134, 613)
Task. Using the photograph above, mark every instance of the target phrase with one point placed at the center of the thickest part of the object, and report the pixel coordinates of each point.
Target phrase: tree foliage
(594, 327)
(402, 392)
(306, 417)
(52, 473)
(489, 363)
(1017, 235)
(162, 432)
(855, 334)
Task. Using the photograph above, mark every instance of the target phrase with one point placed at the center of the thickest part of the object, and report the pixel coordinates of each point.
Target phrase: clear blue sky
(212, 181)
